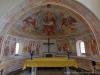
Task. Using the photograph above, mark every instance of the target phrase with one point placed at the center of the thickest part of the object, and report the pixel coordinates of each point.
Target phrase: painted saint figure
(49, 23)
(29, 24)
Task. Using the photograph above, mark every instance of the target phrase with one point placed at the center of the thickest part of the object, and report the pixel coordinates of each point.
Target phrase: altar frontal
(50, 62)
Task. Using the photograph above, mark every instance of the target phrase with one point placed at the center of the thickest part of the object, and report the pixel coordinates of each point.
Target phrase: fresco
(9, 46)
(63, 46)
(46, 21)
(1, 41)
(50, 20)
(6, 48)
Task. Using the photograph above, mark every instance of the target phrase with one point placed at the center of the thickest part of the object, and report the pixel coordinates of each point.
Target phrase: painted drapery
(63, 46)
(31, 45)
(91, 47)
(9, 46)
(26, 45)
(1, 41)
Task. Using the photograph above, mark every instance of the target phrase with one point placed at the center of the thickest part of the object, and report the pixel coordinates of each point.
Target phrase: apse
(49, 28)
(52, 34)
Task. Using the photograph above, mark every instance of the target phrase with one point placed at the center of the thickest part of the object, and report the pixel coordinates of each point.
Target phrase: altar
(49, 62)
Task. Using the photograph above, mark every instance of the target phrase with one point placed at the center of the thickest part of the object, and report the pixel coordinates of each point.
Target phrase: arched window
(80, 46)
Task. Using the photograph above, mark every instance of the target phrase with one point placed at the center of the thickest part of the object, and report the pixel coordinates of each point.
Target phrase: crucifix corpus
(48, 44)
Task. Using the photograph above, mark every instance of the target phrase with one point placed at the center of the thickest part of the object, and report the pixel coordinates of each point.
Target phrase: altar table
(49, 62)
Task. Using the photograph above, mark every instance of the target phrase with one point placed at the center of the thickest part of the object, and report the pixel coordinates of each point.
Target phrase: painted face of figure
(49, 18)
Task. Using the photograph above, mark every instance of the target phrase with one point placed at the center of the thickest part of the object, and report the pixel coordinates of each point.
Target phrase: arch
(83, 12)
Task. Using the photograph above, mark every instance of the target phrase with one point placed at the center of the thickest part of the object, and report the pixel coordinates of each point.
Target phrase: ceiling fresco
(49, 20)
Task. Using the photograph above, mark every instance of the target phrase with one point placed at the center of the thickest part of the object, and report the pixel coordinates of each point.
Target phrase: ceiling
(74, 24)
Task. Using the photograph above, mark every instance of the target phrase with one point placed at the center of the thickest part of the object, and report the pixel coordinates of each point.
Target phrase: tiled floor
(20, 72)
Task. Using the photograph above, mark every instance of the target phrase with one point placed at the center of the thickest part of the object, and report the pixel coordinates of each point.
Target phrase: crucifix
(48, 44)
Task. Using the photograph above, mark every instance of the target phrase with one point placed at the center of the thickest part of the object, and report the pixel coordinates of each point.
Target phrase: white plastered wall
(93, 5)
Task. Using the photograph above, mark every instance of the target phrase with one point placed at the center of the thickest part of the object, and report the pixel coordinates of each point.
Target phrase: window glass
(17, 48)
(82, 47)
